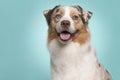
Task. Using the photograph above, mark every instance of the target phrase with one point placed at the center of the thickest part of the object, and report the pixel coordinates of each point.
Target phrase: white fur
(86, 13)
(66, 17)
(72, 61)
(71, 29)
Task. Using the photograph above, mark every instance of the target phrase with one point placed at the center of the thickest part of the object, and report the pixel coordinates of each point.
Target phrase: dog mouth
(66, 35)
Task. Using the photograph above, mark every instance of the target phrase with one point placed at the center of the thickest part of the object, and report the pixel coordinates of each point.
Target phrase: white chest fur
(72, 61)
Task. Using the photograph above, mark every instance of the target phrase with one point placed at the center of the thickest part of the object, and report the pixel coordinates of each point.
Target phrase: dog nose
(65, 24)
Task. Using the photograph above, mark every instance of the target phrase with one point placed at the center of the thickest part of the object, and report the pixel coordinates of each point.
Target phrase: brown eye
(75, 17)
(58, 16)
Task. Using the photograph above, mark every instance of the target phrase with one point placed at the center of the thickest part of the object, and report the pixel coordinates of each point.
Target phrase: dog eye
(75, 17)
(58, 16)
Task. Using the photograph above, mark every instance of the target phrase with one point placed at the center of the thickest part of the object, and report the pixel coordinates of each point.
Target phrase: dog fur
(72, 56)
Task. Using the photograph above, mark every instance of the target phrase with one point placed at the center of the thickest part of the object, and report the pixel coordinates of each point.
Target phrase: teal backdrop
(23, 36)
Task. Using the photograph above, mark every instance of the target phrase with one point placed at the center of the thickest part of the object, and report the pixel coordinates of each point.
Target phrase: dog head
(67, 23)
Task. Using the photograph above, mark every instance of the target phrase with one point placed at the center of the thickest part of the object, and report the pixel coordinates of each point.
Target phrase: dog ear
(48, 13)
(78, 8)
(86, 15)
(45, 12)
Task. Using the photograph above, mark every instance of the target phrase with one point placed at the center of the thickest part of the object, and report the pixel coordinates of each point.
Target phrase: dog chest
(72, 61)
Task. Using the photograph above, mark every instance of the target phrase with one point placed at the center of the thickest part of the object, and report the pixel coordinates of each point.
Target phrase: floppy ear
(47, 14)
(86, 15)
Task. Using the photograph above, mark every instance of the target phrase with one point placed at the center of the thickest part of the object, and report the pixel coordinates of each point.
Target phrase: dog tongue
(65, 36)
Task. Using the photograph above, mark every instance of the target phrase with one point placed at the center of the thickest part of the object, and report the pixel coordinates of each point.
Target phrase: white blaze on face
(65, 36)
(66, 16)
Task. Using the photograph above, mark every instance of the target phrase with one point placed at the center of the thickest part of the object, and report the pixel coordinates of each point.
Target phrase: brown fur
(51, 35)
(82, 34)
(57, 11)
(49, 14)
(51, 31)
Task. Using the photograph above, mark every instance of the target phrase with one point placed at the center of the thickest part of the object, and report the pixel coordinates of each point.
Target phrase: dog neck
(70, 58)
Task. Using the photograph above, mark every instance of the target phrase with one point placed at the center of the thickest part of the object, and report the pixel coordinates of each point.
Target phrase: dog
(71, 54)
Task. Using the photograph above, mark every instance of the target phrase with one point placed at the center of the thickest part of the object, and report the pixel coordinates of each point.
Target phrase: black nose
(65, 24)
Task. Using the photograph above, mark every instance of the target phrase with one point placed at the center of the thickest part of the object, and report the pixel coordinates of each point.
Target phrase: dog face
(66, 23)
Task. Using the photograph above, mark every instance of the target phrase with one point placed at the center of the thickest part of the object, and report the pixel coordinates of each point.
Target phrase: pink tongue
(64, 36)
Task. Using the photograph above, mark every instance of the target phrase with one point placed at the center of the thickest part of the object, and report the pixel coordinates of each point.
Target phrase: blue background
(23, 36)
